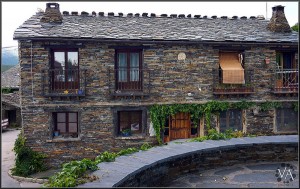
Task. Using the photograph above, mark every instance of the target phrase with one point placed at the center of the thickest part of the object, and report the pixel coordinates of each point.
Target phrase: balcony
(286, 82)
(129, 82)
(221, 89)
(63, 82)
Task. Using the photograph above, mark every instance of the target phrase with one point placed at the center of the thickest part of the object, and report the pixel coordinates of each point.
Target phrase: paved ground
(259, 175)
(8, 138)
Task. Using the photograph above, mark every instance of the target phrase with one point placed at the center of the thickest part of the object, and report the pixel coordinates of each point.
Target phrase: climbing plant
(295, 106)
(159, 113)
(269, 105)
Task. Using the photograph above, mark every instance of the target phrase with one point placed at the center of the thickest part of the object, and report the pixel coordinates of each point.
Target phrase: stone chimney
(278, 22)
(52, 14)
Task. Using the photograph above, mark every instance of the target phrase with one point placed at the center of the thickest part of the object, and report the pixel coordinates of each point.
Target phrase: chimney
(52, 14)
(278, 22)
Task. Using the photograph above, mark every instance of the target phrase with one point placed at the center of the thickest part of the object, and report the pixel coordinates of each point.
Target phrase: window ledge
(63, 139)
(138, 137)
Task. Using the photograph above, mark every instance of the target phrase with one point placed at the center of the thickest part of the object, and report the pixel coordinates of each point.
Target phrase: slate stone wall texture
(171, 81)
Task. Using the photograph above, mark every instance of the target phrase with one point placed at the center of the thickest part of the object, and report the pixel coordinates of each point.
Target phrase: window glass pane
(231, 119)
(124, 120)
(122, 66)
(135, 121)
(61, 127)
(73, 127)
(73, 117)
(287, 60)
(61, 117)
(134, 66)
(72, 68)
(59, 66)
(286, 120)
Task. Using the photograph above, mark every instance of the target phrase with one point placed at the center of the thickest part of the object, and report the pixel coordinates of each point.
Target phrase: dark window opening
(65, 124)
(65, 70)
(128, 70)
(286, 120)
(231, 119)
(130, 121)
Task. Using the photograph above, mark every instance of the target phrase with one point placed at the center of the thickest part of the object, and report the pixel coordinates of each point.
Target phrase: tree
(296, 27)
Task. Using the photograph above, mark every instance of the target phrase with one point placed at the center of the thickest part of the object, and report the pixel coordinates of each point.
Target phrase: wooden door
(180, 126)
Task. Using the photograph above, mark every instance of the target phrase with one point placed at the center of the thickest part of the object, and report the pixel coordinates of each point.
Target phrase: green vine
(295, 106)
(243, 105)
(269, 105)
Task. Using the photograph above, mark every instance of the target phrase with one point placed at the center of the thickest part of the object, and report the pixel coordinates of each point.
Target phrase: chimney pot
(197, 16)
(152, 15)
(137, 15)
(252, 17)
(101, 13)
(173, 15)
(94, 13)
(189, 16)
(181, 16)
(205, 17)
(234, 17)
(278, 22)
(52, 14)
(144, 14)
(224, 17)
(111, 14)
(65, 13)
(83, 13)
(129, 15)
(244, 17)
(120, 14)
(214, 17)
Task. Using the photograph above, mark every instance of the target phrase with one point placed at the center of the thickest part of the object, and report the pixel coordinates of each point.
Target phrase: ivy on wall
(159, 113)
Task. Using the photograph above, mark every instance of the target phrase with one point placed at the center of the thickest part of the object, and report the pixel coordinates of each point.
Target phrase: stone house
(10, 100)
(85, 78)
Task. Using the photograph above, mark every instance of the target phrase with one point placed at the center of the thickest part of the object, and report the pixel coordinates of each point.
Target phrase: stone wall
(166, 170)
(171, 81)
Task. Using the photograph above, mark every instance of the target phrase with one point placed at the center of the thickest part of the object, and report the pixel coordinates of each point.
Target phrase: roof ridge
(163, 15)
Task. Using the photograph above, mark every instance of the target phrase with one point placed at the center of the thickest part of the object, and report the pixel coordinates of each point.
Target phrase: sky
(13, 14)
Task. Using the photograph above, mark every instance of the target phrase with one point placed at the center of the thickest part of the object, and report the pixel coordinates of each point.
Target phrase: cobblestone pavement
(8, 138)
(259, 175)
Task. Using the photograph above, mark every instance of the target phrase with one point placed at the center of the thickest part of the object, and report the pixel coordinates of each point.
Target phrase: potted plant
(56, 133)
(126, 132)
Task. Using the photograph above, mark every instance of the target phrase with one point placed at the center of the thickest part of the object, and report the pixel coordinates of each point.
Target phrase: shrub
(27, 161)
(146, 146)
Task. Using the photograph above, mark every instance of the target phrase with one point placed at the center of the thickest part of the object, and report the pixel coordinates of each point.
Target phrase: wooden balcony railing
(233, 89)
(63, 82)
(286, 81)
(129, 82)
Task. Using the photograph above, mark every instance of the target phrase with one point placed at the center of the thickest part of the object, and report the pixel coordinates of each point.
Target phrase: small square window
(65, 124)
(129, 122)
(286, 120)
(231, 119)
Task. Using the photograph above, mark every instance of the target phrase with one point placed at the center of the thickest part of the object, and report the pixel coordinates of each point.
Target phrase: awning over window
(232, 70)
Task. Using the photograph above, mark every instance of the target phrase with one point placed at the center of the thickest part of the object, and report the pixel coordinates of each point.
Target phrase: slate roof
(11, 77)
(12, 99)
(153, 28)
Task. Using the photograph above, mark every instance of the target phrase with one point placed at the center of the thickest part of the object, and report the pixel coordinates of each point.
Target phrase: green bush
(127, 151)
(27, 161)
(146, 146)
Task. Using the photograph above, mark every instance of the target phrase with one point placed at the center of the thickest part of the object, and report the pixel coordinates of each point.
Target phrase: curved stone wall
(160, 165)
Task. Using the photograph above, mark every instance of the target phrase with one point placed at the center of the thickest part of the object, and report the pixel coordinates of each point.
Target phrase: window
(231, 119)
(130, 121)
(65, 70)
(128, 70)
(286, 120)
(287, 73)
(232, 71)
(65, 124)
